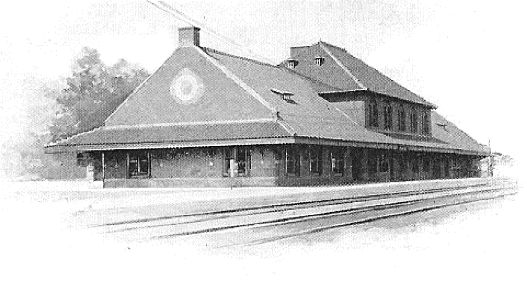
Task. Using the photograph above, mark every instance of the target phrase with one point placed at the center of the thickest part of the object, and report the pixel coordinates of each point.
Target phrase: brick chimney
(189, 36)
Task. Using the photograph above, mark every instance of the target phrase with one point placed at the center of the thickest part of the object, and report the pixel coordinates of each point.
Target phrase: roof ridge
(237, 80)
(286, 126)
(361, 61)
(140, 86)
(331, 45)
(449, 123)
(208, 49)
(308, 78)
(342, 65)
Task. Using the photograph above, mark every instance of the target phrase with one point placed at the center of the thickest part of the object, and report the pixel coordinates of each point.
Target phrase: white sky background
(467, 57)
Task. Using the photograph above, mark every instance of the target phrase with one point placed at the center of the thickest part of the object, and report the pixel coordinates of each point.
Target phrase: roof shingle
(310, 116)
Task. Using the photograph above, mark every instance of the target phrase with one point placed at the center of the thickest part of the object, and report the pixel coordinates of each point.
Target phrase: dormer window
(413, 121)
(373, 113)
(442, 125)
(388, 116)
(319, 61)
(401, 118)
(426, 123)
(286, 96)
(292, 63)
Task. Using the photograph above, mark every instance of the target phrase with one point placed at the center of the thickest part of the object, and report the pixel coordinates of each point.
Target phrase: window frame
(388, 114)
(315, 157)
(403, 165)
(426, 123)
(292, 63)
(142, 164)
(413, 120)
(228, 154)
(292, 155)
(246, 153)
(415, 165)
(401, 115)
(234, 153)
(447, 168)
(337, 156)
(384, 163)
(426, 164)
(373, 113)
(371, 164)
(319, 61)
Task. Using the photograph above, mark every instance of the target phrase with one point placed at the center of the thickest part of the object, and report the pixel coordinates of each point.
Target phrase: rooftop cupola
(189, 36)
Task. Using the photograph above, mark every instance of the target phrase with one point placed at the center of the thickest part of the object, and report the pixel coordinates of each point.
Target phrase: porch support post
(103, 165)
(149, 160)
(127, 175)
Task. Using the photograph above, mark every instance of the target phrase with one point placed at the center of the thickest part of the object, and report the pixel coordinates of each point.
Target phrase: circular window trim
(196, 83)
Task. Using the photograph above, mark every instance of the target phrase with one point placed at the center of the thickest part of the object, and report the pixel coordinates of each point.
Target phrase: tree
(59, 109)
(93, 92)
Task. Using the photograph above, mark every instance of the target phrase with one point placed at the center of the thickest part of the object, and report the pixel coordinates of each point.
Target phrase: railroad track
(373, 218)
(286, 206)
(316, 216)
(257, 224)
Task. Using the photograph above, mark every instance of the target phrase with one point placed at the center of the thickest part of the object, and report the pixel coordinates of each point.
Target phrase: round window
(187, 87)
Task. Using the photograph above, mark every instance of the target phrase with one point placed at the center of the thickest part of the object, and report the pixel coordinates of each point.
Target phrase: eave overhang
(64, 148)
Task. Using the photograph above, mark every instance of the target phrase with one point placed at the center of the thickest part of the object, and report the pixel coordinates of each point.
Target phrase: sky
(467, 57)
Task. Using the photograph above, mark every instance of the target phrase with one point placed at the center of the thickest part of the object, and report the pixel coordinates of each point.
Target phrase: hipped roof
(371, 79)
(308, 118)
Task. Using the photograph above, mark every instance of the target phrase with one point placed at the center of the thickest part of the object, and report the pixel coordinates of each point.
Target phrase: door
(356, 167)
(243, 160)
(237, 162)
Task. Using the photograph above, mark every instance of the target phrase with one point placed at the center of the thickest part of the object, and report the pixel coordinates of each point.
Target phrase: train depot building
(206, 118)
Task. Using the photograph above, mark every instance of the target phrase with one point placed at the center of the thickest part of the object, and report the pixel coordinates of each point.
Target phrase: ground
(483, 241)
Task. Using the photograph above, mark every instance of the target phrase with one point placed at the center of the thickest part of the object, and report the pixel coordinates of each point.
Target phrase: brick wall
(204, 167)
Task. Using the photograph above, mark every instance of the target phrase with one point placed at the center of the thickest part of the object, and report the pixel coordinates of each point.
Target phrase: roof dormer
(291, 63)
(286, 96)
(319, 61)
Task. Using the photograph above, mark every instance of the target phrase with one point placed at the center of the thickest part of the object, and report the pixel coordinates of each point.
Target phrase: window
(383, 163)
(447, 168)
(426, 123)
(243, 159)
(292, 64)
(426, 165)
(138, 164)
(228, 156)
(402, 165)
(372, 164)
(286, 96)
(373, 114)
(319, 61)
(292, 162)
(337, 161)
(315, 160)
(387, 116)
(240, 157)
(415, 165)
(401, 115)
(413, 121)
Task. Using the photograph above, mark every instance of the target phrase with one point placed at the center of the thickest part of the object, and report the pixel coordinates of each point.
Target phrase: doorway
(237, 162)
